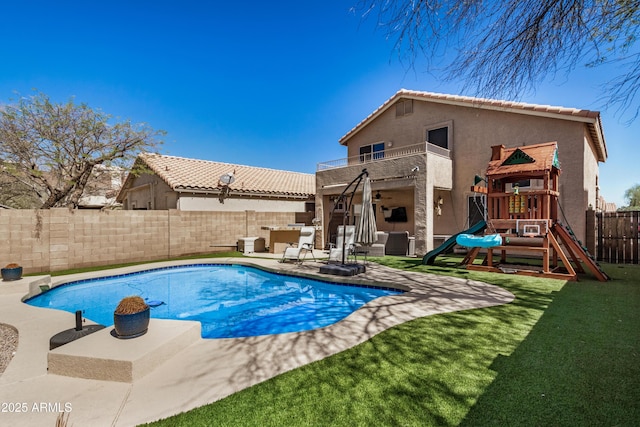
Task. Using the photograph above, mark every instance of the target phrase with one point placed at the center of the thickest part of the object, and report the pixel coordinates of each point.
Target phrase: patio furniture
(378, 248)
(305, 244)
(397, 243)
(280, 237)
(360, 251)
(346, 235)
(247, 245)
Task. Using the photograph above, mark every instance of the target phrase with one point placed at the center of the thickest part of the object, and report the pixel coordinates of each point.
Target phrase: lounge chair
(305, 244)
(349, 235)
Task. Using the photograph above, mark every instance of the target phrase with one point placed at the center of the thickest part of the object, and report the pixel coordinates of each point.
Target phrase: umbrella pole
(359, 179)
(344, 235)
(357, 182)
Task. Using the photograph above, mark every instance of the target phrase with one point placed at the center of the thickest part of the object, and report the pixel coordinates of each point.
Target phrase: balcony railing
(391, 153)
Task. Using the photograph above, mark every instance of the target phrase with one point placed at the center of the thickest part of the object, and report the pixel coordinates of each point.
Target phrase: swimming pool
(228, 300)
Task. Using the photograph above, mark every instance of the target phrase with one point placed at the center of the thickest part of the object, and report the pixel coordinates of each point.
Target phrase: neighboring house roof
(590, 118)
(527, 159)
(183, 174)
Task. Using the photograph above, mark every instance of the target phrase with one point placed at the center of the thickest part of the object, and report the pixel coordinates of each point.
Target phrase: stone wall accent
(60, 239)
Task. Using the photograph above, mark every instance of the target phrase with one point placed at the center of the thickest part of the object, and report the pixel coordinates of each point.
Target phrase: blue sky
(272, 84)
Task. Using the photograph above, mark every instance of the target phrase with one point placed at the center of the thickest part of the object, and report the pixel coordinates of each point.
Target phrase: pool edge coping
(55, 281)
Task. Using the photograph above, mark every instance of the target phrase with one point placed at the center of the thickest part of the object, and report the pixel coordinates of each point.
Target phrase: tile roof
(590, 118)
(543, 155)
(183, 174)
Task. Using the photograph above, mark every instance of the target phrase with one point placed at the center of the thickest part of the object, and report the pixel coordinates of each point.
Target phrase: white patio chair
(305, 244)
(349, 236)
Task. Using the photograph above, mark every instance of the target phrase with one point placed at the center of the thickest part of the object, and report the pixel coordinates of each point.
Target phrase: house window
(440, 134)
(372, 152)
(439, 137)
(404, 107)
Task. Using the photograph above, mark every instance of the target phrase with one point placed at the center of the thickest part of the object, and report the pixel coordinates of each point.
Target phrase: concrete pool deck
(200, 371)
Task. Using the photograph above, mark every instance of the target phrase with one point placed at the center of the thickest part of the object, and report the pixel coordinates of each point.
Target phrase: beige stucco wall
(58, 239)
(590, 191)
(472, 133)
(150, 192)
(194, 202)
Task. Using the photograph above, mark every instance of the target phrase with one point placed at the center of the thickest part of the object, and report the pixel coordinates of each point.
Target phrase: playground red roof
(543, 157)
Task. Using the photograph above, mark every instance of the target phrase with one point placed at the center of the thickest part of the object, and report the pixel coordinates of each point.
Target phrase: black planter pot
(11, 273)
(131, 325)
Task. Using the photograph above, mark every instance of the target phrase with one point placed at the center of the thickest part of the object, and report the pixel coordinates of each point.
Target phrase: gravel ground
(8, 345)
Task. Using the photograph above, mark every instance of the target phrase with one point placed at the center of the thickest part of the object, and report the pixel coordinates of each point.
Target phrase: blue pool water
(228, 300)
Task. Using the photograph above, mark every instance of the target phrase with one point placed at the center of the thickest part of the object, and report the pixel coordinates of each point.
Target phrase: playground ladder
(577, 249)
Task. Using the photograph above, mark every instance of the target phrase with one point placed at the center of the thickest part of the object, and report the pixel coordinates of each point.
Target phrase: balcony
(391, 153)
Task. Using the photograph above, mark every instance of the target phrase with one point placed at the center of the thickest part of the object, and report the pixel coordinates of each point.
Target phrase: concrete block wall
(196, 232)
(60, 239)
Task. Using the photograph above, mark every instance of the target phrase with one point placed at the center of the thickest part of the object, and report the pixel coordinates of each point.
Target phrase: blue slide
(430, 257)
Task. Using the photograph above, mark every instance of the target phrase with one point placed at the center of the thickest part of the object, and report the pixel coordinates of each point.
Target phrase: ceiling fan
(378, 196)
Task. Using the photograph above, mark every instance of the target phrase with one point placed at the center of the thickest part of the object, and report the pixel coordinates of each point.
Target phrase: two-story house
(423, 151)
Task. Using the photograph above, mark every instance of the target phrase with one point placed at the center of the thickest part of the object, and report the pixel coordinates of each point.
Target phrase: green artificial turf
(561, 354)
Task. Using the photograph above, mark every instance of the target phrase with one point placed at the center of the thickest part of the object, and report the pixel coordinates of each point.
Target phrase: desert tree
(53, 148)
(632, 196)
(504, 48)
(15, 194)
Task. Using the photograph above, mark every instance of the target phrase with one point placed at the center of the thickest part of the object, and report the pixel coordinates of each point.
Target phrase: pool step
(100, 356)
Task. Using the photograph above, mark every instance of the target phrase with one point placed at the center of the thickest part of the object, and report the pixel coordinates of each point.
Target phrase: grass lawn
(562, 354)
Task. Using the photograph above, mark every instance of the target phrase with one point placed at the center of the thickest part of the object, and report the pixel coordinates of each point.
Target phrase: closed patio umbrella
(366, 228)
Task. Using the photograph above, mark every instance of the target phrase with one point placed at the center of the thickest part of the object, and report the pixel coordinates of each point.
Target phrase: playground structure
(448, 244)
(522, 207)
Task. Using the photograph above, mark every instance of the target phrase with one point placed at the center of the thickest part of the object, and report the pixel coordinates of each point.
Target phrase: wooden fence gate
(618, 237)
